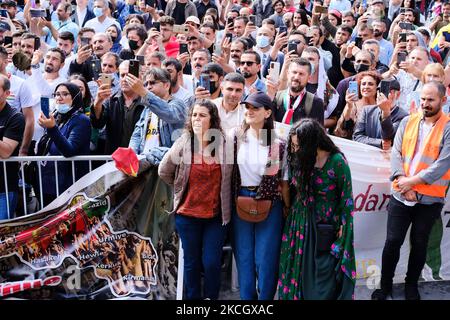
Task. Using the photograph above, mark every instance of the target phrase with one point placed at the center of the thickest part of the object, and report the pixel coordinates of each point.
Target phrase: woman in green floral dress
(316, 267)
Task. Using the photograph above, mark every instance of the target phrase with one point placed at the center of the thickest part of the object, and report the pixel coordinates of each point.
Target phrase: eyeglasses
(61, 94)
(151, 83)
(249, 63)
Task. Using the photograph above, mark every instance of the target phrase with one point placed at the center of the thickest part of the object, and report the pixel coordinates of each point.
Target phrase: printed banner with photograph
(108, 236)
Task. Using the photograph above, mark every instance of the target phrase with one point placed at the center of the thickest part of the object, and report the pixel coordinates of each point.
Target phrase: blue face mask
(62, 108)
(262, 41)
(98, 12)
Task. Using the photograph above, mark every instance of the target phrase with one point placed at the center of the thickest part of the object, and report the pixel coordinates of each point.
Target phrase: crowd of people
(205, 89)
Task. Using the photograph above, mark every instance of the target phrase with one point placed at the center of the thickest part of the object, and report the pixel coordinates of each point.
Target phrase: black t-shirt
(178, 13)
(312, 87)
(12, 126)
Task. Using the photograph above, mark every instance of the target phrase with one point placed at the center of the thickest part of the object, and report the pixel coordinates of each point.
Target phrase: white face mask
(62, 108)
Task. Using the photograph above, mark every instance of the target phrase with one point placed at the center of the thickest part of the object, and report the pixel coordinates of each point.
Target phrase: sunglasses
(249, 63)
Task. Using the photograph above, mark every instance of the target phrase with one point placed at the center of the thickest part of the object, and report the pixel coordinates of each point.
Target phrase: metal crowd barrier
(26, 160)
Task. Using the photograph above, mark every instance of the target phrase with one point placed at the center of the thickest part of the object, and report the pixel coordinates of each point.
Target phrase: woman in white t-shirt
(258, 175)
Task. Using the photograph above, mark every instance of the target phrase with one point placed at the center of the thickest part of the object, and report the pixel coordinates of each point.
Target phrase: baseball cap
(259, 100)
(193, 19)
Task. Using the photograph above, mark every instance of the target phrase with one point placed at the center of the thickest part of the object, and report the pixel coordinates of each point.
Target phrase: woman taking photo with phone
(317, 259)
(67, 133)
(364, 95)
(258, 220)
(201, 178)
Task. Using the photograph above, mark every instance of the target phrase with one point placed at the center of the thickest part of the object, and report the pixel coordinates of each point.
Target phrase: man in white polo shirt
(102, 21)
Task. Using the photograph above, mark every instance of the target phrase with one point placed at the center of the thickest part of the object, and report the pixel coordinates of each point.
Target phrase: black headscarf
(77, 101)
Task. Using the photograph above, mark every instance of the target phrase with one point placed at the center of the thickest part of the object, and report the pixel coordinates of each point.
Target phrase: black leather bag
(326, 235)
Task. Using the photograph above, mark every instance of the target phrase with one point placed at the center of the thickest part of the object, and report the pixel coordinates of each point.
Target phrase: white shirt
(101, 26)
(408, 84)
(189, 83)
(340, 5)
(21, 95)
(185, 96)
(81, 14)
(252, 159)
(229, 119)
(64, 72)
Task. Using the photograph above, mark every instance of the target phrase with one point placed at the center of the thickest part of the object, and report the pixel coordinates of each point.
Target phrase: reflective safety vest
(428, 155)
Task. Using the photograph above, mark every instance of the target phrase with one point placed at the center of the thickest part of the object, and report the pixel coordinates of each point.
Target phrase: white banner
(370, 168)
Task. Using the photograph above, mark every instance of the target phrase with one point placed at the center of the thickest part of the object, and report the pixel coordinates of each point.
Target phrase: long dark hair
(213, 124)
(310, 137)
(87, 99)
(303, 16)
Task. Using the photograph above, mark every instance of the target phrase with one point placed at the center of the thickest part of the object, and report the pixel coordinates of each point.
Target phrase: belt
(252, 188)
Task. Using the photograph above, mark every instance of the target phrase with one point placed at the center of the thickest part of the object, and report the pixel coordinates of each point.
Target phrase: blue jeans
(256, 249)
(12, 197)
(202, 241)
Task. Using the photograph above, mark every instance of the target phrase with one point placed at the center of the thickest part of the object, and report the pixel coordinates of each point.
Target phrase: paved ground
(437, 290)
(428, 290)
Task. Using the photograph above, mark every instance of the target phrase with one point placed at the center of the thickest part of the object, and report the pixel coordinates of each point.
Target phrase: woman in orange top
(196, 167)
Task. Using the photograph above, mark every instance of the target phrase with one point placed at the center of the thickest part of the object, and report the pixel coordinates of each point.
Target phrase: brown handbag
(251, 210)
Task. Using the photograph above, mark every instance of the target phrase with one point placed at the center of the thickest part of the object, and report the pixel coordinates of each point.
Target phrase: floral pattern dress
(305, 272)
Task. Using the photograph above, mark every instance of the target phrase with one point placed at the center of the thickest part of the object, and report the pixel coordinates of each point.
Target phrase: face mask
(313, 68)
(361, 67)
(62, 108)
(98, 12)
(262, 41)
(133, 45)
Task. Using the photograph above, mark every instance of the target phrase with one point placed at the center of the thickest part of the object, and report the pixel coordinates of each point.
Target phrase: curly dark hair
(310, 137)
(372, 74)
(213, 124)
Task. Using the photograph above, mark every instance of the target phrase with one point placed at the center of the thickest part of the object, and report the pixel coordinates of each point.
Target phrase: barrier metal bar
(38, 159)
(57, 179)
(23, 189)
(5, 177)
(41, 196)
(73, 172)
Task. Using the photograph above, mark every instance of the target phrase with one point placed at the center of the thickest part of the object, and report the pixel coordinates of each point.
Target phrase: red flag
(126, 161)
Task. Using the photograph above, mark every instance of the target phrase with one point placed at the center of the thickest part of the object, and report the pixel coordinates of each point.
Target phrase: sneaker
(412, 291)
(381, 294)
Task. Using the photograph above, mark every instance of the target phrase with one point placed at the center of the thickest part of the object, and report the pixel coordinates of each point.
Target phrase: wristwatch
(35, 66)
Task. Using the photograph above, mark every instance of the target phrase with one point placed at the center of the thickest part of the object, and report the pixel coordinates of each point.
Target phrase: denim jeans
(256, 249)
(12, 197)
(202, 241)
(421, 218)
